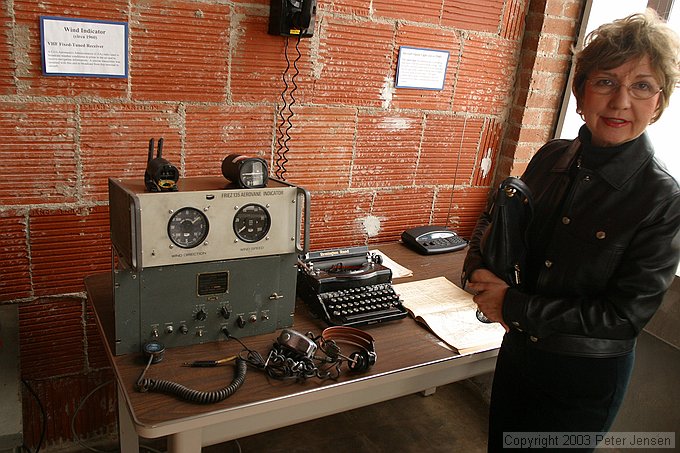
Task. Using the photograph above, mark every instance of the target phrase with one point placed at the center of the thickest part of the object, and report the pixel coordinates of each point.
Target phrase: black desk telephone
(430, 239)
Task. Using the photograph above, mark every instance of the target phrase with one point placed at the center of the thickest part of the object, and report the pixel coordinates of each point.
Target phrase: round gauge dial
(188, 227)
(251, 223)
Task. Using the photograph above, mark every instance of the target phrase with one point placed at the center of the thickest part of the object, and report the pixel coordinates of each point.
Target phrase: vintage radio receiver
(348, 287)
(210, 256)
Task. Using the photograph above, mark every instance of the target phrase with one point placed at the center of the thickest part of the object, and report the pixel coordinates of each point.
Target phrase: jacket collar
(621, 167)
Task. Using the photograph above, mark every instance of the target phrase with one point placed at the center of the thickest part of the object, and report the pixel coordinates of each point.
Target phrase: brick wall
(206, 77)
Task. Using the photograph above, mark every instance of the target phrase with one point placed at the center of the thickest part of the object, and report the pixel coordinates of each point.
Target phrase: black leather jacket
(607, 257)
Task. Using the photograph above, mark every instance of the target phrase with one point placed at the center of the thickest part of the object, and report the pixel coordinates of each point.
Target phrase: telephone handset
(303, 18)
(431, 239)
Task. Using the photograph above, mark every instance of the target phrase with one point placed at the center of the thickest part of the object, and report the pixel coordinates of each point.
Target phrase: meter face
(188, 227)
(254, 173)
(252, 223)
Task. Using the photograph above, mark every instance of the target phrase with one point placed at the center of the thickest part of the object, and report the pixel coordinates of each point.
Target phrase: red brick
(386, 150)
(486, 75)
(318, 147)
(449, 150)
(349, 7)
(459, 209)
(180, 51)
(428, 38)
(27, 56)
(562, 8)
(533, 135)
(51, 337)
(427, 11)
(525, 151)
(513, 19)
(259, 62)
(336, 219)
(38, 153)
(7, 65)
(15, 276)
(354, 68)
(400, 209)
(473, 15)
(115, 142)
(213, 132)
(565, 27)
(518, 168)
(556, 64)
(489, 148)
(67, 246)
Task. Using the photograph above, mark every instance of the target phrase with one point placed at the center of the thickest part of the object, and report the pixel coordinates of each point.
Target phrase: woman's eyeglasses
(637, 90)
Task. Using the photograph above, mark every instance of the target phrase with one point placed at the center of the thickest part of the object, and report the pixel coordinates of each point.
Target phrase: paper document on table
(397, 269)
(450, 313)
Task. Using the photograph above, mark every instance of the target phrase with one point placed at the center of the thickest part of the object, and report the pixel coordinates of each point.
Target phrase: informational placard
(83, 47)
(423, 69)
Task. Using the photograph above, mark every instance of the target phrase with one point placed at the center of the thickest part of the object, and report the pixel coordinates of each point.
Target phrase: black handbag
(503, 244)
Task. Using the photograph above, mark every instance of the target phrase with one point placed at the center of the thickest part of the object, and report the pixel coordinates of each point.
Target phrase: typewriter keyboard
(363, 305)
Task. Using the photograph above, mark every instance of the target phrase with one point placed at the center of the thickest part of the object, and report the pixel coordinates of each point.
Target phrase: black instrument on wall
(431, 239)
(348, 287)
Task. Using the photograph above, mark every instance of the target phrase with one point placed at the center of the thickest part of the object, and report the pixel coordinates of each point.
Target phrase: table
(410, 359)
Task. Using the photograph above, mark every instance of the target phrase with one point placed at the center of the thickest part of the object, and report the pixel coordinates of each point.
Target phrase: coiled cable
(284, 127)
(191, 395)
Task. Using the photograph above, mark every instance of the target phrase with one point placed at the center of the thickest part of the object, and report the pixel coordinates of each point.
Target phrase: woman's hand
(489, 294)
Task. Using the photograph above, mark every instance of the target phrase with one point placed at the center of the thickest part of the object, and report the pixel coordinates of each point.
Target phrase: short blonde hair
(631, 38)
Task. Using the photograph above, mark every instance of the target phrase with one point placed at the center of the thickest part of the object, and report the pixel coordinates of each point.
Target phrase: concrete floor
(452, 420)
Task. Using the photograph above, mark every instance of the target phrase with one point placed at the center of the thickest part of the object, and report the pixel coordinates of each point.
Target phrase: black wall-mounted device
(292, 18)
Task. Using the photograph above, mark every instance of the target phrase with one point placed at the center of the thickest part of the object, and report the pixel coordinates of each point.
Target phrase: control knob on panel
(201, 315)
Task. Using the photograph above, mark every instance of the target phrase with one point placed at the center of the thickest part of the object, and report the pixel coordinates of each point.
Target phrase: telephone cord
(191, 395)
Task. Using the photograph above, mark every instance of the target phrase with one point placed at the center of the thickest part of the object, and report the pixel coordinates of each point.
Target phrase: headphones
(360, 360)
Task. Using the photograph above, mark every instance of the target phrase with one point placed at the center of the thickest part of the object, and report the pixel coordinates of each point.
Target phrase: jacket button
(566, 220)
(586, 178)
(533, 338)
(548, 264)
(600, 235)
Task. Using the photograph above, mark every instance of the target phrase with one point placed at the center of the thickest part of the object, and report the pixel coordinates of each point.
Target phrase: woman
(603, 245)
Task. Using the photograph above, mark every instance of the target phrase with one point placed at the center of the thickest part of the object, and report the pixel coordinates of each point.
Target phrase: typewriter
(348, 287)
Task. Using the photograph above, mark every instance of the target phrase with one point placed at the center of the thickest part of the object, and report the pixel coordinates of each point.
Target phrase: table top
(400, 345)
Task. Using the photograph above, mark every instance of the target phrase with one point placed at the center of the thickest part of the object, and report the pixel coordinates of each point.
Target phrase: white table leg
(429, 392)
(128, 439)
(185, 442)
